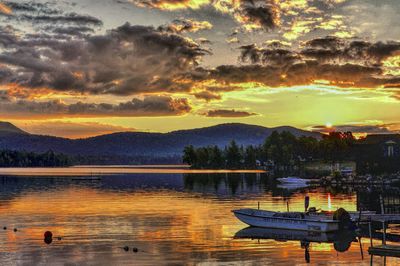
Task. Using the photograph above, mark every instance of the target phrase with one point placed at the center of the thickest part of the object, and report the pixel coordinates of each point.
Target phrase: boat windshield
(296, 215)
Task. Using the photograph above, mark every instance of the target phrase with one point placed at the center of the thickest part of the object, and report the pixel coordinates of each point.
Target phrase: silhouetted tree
(250, 157)
(233, 156)
(189, 155)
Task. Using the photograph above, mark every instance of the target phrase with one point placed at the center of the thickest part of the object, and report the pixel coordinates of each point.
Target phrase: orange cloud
(19, 92)
(186, 25)
(5, 9)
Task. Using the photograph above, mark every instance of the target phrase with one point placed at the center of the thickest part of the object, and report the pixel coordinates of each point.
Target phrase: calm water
(173, 219)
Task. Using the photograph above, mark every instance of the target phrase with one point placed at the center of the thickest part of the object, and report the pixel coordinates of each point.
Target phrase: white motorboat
(287, 220)
(292, 183)
(293, 180)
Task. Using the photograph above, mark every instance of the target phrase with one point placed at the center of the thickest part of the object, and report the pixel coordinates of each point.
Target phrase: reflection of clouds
(172, 226)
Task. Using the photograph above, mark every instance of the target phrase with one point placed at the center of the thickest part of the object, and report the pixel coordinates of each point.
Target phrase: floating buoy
(48, 237)
(48, 234)
(126, 248)
(59, 238)
(135, 250)
(48, 240)
(15, 230)
(5, 228)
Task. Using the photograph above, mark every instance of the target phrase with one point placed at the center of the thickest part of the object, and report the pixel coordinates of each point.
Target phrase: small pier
(385, 251)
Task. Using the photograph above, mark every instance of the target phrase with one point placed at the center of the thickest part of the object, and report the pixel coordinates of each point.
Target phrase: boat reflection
(341, 240)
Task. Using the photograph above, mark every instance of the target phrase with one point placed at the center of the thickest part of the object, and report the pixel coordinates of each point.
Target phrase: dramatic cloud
(148, 106)
(127, 60)
(228, 113)
(30, 7)
(70, 60)
(72, 18)
(171, 4)
(186, 25)
(44, 13)
(337, 61)
(72, 130)
(292, 18)
(72, 30)
(252, 14)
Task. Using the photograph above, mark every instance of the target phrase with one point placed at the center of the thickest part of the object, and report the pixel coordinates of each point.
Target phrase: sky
(89, 67)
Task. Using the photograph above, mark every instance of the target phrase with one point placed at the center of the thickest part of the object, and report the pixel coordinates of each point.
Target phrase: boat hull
(284, 234)
(255, 218)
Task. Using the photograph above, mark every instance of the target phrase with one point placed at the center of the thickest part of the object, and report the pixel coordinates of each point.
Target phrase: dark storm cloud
(65, 18)
(271, 56)
(333, 48)
(7, 36)
(341, 62)
(127, 60)
(228, 113)
(44, 8)
(78, 31)
(305, 73)
(264, 16)
(47, 13)
(148, 106)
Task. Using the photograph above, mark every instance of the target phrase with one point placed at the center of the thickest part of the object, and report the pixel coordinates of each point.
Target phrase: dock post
(258, 205)
(381, 202)
(287, 206)
(384, 233)
(370, 233)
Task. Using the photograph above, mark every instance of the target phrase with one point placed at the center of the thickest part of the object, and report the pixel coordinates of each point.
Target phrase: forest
(280, 149)
(10, 158)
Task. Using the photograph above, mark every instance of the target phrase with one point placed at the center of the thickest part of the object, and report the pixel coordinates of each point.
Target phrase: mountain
(141, 143)
(8, 128)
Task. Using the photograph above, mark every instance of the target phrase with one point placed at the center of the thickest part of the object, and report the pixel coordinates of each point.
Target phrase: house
(381, 145)
(378, 154)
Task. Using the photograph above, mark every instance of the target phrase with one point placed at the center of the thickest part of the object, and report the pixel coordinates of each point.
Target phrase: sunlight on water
(170, 218)
(329, 202)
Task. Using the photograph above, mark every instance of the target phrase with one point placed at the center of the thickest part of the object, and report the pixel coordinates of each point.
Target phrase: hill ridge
(144, 143)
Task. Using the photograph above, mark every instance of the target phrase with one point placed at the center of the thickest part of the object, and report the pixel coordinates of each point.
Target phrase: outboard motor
(344, 218)
(306, 203)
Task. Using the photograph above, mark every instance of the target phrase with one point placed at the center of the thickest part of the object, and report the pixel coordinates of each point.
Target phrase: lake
(172, 216)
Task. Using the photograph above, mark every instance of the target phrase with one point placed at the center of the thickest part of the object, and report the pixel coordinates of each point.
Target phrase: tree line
(10, 158)
(279, 149)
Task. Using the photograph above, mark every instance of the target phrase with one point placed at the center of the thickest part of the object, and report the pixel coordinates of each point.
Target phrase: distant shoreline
(57, 172)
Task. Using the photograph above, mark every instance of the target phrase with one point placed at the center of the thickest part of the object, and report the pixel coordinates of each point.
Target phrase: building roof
(381, 138)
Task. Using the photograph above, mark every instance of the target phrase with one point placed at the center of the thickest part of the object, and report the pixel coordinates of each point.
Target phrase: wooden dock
(375, 217)
(385, 250)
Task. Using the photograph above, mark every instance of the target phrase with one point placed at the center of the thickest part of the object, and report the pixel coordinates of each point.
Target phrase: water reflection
(170, 218)
(341, 240)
